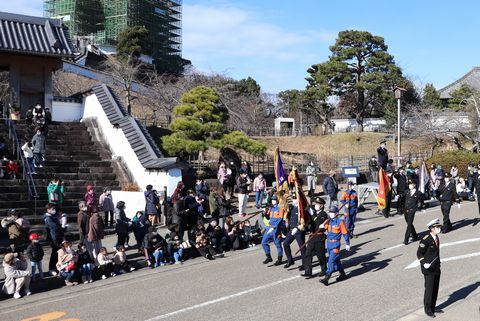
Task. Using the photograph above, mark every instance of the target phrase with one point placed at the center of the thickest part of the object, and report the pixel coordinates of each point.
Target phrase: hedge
(460, 158)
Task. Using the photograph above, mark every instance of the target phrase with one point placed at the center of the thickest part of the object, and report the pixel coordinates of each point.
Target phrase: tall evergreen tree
(431, 97)
(359, 70)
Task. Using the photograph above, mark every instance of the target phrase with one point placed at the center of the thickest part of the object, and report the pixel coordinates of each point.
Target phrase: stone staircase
(74, 157)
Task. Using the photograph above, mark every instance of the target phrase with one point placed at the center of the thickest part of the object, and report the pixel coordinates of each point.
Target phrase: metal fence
(265, 163)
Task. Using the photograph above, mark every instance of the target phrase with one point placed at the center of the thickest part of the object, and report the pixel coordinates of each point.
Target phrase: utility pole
(398, 96)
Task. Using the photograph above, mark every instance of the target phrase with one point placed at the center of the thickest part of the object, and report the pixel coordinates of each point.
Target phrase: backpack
(14, 231)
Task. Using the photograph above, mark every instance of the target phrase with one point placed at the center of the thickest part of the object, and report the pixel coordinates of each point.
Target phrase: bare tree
(124, 74)
(66, 84)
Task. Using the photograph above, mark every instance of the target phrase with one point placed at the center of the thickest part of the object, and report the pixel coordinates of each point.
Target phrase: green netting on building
(103, 20)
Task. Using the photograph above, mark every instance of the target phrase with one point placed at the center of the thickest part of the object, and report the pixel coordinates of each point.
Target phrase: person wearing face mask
(54, 235)
(296, 232)
(39, 147)
(311, 179)
(428, 254)
(349, 200)
(402, 188)
(335, 228)
(316, 243)
(382, 154)
(447, 195)
(273, 231)
(412, 197)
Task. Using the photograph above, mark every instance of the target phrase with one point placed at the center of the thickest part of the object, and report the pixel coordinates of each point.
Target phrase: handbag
(186, 244)
(53, 197)
(70, 266)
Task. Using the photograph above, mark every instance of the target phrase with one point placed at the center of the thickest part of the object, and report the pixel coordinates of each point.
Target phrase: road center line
(416, 263)
(392, 247)
(224, 298)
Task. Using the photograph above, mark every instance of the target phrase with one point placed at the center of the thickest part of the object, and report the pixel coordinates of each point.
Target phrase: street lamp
(398, 96)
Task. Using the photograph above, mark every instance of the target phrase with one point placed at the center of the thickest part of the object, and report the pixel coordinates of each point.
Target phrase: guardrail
(17, 151)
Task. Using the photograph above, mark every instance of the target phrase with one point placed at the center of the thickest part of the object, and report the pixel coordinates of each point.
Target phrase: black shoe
(325, 279)
(278, 261)
(268, 259)
(311, 276)
(289, 264)
(342, 277)
(306, 275)
(430, 314)
(438, 310)
(301, 268)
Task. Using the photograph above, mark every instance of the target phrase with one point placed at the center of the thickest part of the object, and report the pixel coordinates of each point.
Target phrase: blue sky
(275, 41)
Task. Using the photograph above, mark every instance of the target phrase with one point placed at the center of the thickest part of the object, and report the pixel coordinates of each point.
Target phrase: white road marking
(363, 222)
(416, 263)
(223, 298)
(392, 247)
(441, 245)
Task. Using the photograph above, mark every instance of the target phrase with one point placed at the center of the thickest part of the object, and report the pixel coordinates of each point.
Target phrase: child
(121, 262)
(105, 263)
(12, 169)
(158, 253)
(247, 229)
(35, 255)
(177, 250)
(28, 154)
(85, 263)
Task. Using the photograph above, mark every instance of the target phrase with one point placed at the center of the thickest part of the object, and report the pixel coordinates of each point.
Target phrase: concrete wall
(67, 111)
(134, 201)
(120, 147)
(349, 125)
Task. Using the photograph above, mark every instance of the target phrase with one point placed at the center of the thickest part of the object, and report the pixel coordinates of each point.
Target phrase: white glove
(322, 225)
(347, 247)
(294, 231)
(270, 230)
(426, 265)
(346, 205)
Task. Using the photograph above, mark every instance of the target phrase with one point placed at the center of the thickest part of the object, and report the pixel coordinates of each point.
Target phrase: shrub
(131, 187)
(460, 158)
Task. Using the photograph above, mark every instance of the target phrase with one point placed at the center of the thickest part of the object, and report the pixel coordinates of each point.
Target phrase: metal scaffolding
(101, 21)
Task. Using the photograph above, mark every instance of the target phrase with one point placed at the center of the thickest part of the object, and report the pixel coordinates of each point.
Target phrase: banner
(383, 189)
(280, 176)
(424, 177)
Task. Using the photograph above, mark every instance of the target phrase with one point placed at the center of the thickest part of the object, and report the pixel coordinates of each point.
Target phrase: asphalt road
(384, 283)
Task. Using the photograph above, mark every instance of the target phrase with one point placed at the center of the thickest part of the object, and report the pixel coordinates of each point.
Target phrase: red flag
(383, 189)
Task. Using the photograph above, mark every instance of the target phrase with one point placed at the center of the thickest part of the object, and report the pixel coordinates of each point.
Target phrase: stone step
(86, 163)
(40, 209)
(11, 196)
(77, 176)
(65, 157)
(50, 170)
(85, 154)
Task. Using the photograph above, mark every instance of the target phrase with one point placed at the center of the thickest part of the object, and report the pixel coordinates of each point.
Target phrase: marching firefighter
(349, 200)
(296, 232)
(316, 242)
(428, 254)
(335, 228)
(273, 231)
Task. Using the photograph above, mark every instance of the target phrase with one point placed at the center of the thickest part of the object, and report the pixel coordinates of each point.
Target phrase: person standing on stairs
(28, 154)
(90, 199)
(39, 147)
(56, 191)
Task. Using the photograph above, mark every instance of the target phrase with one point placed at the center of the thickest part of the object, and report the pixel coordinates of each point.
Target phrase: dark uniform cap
(320, 201)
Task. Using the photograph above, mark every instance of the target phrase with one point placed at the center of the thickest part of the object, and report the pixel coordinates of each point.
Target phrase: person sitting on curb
(17, 278)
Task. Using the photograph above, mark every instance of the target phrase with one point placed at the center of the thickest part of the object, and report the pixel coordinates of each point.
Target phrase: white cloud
(226, 36)
(27, 7)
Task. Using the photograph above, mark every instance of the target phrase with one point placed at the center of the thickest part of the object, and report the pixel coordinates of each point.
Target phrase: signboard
(351, 171)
